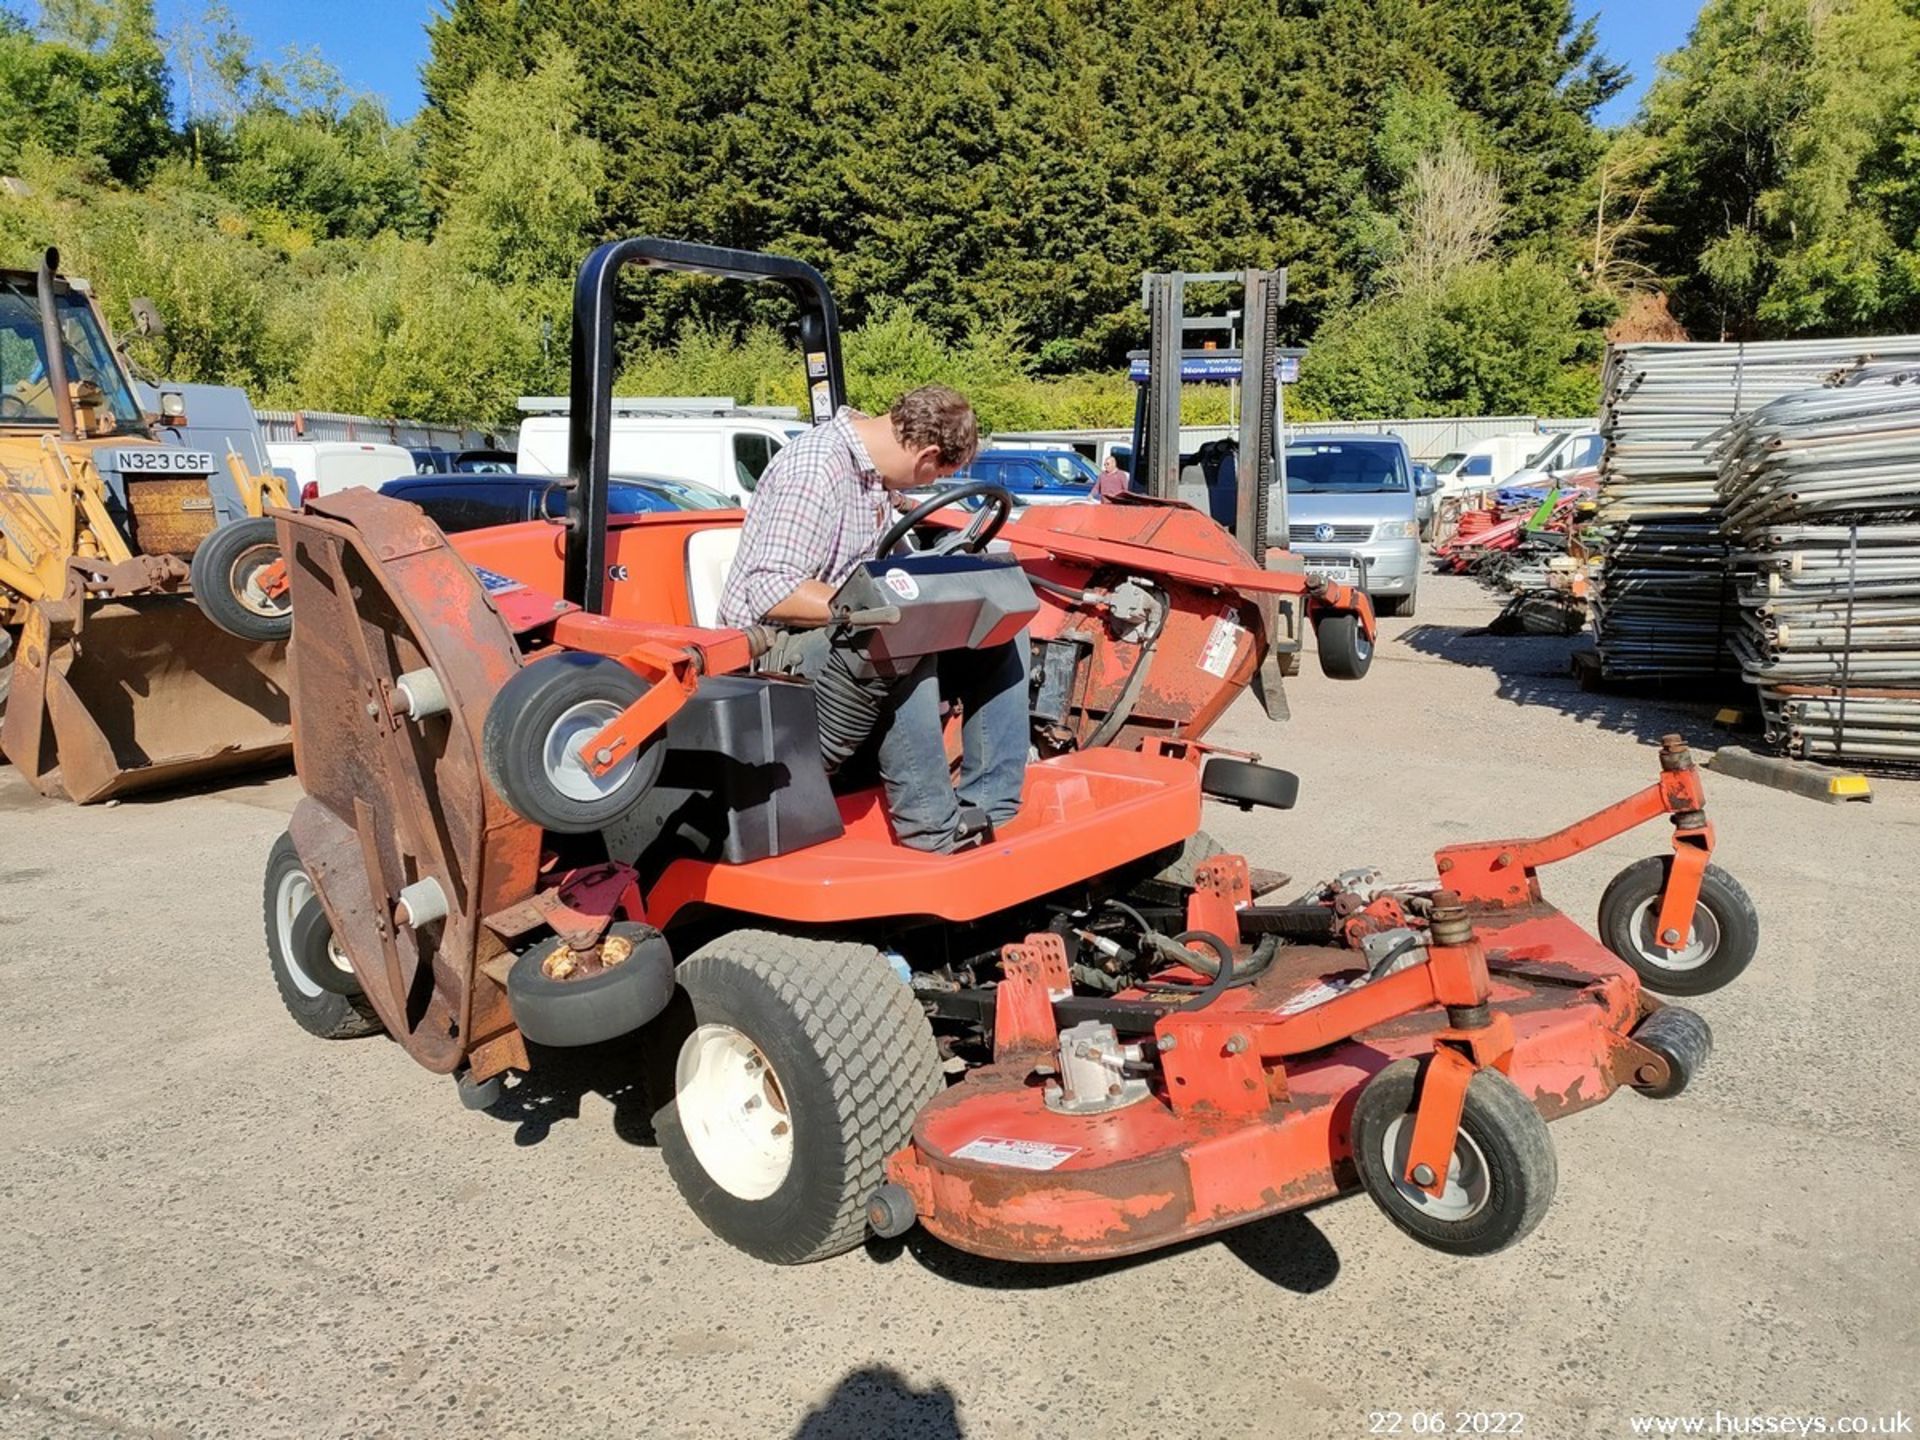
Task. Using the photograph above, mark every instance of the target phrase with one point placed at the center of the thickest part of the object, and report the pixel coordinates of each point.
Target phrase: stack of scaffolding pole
(1821, 491)
(1664, 602)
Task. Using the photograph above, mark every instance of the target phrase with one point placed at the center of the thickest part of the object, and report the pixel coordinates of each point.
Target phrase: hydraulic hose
(1129, 692)
(1066, 592)
(1224, 977)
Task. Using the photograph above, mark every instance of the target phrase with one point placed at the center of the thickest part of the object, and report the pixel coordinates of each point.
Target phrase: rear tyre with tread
(297, 948)
(783, 1075)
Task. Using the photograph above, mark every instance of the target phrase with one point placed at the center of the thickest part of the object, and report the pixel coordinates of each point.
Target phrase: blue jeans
(991, 688)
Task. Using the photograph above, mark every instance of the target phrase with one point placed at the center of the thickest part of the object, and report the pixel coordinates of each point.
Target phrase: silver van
(1352, 514)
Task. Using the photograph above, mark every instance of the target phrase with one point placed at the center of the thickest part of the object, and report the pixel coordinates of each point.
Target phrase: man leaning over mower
(819, 510)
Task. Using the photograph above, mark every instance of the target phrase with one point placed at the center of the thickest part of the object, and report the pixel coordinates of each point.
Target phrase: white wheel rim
(1362, 647)
(250, 593)
(733, 1112)
(1468, 1185)
(288, 901)
(560, 758)
(1703, 938)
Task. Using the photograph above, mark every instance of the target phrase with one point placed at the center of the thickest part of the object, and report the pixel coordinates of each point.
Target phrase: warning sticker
(495, 583)
(1222, 645)
(1016, 1154)
(902, 584)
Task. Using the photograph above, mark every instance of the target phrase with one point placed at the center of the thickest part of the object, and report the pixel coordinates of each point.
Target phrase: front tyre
(1502, 1176)
(1720, 943)
(234, 580)
(784, 1075)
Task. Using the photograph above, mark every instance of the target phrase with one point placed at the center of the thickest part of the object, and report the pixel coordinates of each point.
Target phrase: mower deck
(995, 1171)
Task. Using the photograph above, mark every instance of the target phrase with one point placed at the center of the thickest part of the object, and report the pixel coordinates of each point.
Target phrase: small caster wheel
(318, 954)
(1681, 1039)
(1243, 783)
(312, 973)
(480, 1095)
(1345, 651)
(535, 728)
(890, 1212)
(625, 981)
(1720, 944)
(229, 572)
(1501, 1178)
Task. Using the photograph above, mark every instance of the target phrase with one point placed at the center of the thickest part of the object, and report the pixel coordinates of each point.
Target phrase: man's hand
(805, 607)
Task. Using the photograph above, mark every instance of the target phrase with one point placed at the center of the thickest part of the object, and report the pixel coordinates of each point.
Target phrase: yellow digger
(116, 542)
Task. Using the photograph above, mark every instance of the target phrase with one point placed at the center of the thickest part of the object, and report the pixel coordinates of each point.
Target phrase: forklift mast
(1156, 425)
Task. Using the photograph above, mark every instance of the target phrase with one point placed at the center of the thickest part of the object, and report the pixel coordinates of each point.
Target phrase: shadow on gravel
(550, 1092)
(1286, 1250)
(878, 1400)
(1534, 670)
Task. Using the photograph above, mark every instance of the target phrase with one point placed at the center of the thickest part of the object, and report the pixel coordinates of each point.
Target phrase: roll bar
(590, 389)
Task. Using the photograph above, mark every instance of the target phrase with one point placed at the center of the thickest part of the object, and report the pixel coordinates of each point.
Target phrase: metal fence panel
(276, 425)
(1428, 438)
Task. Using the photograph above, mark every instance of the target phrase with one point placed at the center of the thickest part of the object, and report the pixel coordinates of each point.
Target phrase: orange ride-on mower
(549, 802)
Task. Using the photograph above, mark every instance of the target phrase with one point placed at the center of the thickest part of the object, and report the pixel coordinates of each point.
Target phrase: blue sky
(379, 45)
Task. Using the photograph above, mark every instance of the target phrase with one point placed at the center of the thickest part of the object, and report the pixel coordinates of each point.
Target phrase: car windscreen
(1447, 464)
(1070, 470)
(630, 499)
(1349, 467)
(1543, 457)
(680, 494)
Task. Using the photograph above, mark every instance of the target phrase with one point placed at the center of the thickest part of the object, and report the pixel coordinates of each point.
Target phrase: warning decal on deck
(1018, 1154)
(1222, 645)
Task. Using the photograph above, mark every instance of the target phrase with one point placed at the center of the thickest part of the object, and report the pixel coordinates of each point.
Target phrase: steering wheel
(973, 539)
(25, 410)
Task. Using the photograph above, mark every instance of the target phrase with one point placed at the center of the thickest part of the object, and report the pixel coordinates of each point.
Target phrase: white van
(710, 441)
(322, 467)
(1485, 463)
(1568, 456)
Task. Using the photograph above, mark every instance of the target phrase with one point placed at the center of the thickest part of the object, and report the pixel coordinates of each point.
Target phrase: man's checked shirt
(817, 513)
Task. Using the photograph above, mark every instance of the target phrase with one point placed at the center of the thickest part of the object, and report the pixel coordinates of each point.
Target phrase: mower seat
(709, 556)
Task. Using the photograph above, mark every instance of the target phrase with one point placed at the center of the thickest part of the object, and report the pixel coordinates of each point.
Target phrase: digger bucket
(115, 695)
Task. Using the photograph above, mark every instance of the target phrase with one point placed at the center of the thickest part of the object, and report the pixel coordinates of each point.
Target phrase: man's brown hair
(936, 415)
